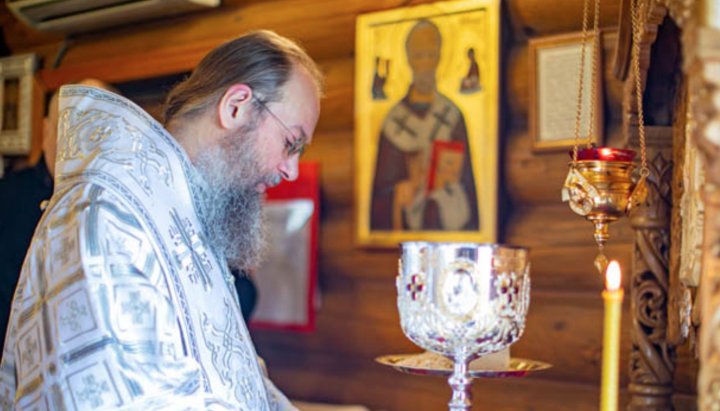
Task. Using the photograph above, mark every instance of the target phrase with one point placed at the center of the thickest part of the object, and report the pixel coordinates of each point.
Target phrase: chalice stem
(461, 383)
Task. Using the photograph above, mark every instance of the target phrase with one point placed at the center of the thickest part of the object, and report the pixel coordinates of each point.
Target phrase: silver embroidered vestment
(120, 303)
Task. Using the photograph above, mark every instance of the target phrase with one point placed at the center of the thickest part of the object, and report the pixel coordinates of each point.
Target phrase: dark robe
(390, 169)
(21, 193)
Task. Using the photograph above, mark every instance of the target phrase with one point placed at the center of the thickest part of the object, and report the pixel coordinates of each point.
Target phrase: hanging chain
(581, 75)
(593, 81)
(593, 74)
(637, 37)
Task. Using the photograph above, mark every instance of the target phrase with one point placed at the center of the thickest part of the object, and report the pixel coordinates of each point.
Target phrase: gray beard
(231, 207)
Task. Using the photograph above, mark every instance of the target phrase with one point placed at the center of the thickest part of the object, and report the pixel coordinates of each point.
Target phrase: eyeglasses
(293, 145)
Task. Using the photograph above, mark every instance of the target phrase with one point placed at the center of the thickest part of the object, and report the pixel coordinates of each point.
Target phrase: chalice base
(423, 364)
(417, 364)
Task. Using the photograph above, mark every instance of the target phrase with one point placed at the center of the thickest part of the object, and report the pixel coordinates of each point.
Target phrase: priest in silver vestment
(125, 300)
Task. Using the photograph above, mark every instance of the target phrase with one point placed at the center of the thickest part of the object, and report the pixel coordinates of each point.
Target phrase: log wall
(358, 319)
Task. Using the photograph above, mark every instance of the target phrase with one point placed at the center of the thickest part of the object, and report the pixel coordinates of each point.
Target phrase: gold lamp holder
(602, 191)
(600, 184)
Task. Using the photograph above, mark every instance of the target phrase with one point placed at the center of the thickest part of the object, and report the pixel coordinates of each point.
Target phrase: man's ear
(234, 105)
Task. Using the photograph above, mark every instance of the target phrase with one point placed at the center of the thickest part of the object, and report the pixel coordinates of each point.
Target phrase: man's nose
(289, 168)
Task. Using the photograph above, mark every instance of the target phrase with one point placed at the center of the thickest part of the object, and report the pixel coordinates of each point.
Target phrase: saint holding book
(423, 174)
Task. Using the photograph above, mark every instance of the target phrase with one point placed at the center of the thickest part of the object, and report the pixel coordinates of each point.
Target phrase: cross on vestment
(403, 127)
(441, 120)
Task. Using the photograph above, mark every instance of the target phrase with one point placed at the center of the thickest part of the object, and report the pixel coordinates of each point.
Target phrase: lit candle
(612, 296)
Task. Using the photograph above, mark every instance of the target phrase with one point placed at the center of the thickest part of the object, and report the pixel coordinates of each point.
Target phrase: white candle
(612, 296)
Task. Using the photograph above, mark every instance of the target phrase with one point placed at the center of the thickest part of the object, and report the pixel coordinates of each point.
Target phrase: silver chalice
(463, 300)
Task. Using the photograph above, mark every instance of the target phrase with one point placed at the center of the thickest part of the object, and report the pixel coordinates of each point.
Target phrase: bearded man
(125, 300)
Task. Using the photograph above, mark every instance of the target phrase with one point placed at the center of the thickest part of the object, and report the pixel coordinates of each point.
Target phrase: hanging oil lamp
(601, 185)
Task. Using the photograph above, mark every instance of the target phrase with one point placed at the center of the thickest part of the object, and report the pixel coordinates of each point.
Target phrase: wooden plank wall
(358, 319)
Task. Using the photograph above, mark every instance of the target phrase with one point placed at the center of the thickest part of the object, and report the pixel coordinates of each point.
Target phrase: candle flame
(612, 276)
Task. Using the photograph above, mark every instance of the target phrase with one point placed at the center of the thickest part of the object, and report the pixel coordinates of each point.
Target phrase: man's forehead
(302, 104)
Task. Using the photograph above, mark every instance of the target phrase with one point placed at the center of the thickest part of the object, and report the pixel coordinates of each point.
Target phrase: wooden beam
(542, 18)
(556, 225)
(325, 28)
(125, 67)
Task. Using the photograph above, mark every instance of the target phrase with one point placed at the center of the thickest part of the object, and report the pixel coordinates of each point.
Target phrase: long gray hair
(261, 59)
